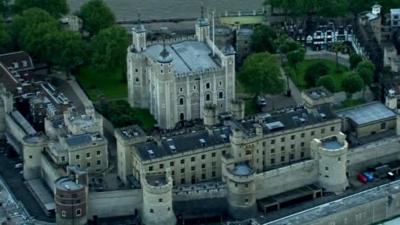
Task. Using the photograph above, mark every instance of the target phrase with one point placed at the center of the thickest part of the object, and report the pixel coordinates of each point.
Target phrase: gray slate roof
(368, 113)
(187, 56)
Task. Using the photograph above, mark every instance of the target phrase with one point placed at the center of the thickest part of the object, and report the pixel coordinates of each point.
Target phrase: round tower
(32, 153)
(236, 140)
(240, 180)
(71, 202)
(331, 153)
(209, 115)
(157, 199)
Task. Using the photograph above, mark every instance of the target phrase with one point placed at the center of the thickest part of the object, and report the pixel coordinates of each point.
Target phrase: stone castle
(176, 78)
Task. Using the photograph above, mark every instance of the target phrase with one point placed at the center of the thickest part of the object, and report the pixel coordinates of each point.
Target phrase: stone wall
(286, 178)
(200, 191)
(114, 203)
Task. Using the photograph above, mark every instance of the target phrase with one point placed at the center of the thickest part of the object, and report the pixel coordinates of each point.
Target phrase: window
(77, 157)
(263, 143)
(312, 133)
(183, 181)
(169, 208)
(283, 148)
(182, 170)
(160, 200)
(171, 163)
(213, 154)
(98, 162)
(213, 174)
(193, 168)
(221, 95)
(151, 211)
(326, 168)
(291, 156)
(63, 213)
(208, 85)
(203, 166)
(98, 152)
(88, 164)
(161, 166)
(272, 141)
(302, 154)
(180, 101)
(137, 80)
(282, 158)
(282, 139)
(203, 156)
(78, 212)
(182, 161)
(302, 135)
(181, 90)
(192, 159)
(292, 137)
(272, 161)
(292, 146)
(172, 172)
(220, 83)
(208, 97)
(63, 158)
(383, 126)
(150, 168)
(332, 128)
(322, 130)
(194, 87)
(203, 176)
(30, 157)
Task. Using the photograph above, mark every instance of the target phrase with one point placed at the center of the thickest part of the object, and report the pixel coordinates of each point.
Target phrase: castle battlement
(172, 40)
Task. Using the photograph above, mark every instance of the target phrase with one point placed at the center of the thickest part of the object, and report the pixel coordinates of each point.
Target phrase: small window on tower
(137, 79)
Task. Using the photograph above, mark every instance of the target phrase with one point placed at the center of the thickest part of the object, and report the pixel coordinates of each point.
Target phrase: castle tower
(202, 27)
(236, 140)
(71, 201)
(32, 153)
(157, 199)
(210, 115)
(331, 153)
(237, 109)
(228, 61)
(240, 180)
(139, 37)
(391, 100)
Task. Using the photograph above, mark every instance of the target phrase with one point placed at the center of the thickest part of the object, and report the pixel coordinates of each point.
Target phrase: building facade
(176, 78)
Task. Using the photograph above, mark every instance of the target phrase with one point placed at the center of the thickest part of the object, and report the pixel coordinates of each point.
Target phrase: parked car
(362, 178)
(369, 175)
(391, 176)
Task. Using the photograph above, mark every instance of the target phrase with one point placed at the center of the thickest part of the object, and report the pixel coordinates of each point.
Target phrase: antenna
(202, 10)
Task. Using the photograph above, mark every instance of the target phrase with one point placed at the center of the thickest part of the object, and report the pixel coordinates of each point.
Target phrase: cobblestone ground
(166, 9)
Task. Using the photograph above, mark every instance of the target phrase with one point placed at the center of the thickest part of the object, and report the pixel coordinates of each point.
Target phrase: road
(167, 9)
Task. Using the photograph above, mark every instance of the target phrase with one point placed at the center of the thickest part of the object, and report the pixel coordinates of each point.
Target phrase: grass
(297, 74)
(98, 83)
(351, 103)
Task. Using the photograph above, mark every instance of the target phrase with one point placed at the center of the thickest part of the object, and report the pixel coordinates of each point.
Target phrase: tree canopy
(366, 71)
(5, 38)
(96, 15)
(263, 39)
(54, 7)
(352, 83)
(314, 72)
(354, 60)
(109, 47)
(260, 74)
(327, 82)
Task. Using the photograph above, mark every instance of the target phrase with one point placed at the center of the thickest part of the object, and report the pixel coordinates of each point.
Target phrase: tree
(314, 72)
(262, 39)
(365, 70)
(327, 82)
(260, 74)
(109, 47)
(96, 16)
(354, 60)
(54, 7)
(5, 38)
(296, 56)
(337, 47)
(352, 83)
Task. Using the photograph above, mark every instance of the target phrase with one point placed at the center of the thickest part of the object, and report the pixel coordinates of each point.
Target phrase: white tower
(157, 199)
(331, 153)
(139, 37)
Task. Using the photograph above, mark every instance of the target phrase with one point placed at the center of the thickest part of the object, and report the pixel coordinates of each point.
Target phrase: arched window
(181, 101)
(208, 97)
(208, 85)
(221, 94)
(182, 116)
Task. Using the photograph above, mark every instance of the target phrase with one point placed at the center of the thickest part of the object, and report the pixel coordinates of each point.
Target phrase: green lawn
(297, 74)
(102, 83)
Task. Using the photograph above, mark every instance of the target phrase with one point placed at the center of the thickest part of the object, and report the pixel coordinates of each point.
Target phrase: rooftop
(318, 93)
(187, 56)
(156, 179)
(131, 131)
(331, 143)
(182, 143)
(67, 184)
(23, 123)
(368, 113)
(242, 170)
(18, 61)
(82, 139)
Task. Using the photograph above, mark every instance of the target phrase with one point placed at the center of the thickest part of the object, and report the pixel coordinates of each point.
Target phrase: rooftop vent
(151, 153)
(202, 142)
(273, 126)
(172, 148)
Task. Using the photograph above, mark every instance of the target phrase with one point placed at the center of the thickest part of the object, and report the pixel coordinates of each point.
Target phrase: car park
(362, 178)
